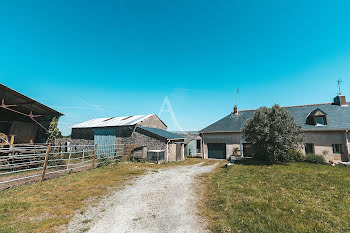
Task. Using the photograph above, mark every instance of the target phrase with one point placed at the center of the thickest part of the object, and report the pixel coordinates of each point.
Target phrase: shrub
(312, 158)
(295, 156)
(273, 132)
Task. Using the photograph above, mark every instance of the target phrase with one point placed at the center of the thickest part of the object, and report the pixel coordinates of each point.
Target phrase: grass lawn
(44, 207)
(299, 197)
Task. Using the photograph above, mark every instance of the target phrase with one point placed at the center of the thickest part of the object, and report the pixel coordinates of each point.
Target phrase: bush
(295, 156)
(312, 158)
(273, 132)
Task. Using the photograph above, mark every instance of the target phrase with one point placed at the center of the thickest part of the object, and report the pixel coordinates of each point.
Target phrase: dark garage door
(217, 150)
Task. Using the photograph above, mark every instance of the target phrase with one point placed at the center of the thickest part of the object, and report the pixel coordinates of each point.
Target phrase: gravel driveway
(161, 201)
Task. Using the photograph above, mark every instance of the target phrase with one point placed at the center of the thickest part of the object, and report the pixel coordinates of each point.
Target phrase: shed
(24, 118)
(137, 134)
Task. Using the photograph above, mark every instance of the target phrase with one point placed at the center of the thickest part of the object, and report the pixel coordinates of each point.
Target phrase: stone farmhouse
(138, 134)
(325, 127)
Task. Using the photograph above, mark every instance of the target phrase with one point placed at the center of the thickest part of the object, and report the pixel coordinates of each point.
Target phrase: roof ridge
(292, 106)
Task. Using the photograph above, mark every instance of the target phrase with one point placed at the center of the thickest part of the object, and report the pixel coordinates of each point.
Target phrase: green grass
(299, 197)
(46, 206)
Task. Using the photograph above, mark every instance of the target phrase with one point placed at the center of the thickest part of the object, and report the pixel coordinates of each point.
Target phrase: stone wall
(172, 152)
(153, 122)
(139, 138)
(63, 141)
(232, 141)
(322, 141)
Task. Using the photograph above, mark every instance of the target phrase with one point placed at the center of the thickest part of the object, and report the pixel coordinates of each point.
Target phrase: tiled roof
(338, 117)
(162, 133)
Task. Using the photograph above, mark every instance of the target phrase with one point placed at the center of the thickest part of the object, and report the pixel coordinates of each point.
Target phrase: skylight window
(126, 118)
(109, 119)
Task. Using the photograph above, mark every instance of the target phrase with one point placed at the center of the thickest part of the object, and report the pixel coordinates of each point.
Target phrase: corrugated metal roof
(24, 103)
(112, 121)
(338, 118)
(162, 133)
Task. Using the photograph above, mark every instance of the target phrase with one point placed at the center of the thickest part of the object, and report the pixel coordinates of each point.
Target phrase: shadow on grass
(257, 162)
(252, 162)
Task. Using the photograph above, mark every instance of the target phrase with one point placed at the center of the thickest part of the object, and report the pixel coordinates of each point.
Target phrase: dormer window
(317, 117)
(320, 120)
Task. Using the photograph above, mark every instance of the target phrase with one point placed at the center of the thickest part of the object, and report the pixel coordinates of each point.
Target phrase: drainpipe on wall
(202, 145)
(346, 147)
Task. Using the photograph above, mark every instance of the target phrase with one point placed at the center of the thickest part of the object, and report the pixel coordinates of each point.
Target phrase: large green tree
(273, 133)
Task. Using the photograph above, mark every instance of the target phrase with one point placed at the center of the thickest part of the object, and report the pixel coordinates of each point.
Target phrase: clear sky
(92, 59)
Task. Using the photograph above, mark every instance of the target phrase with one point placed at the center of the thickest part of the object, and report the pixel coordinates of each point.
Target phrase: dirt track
(162, 201)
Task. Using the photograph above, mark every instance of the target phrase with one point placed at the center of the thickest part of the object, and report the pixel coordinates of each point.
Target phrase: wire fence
(21, 164)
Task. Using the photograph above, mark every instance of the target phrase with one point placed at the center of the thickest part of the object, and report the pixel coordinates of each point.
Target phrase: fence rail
(21, 163)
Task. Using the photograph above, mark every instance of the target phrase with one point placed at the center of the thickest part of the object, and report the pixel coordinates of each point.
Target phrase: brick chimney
(340, 100)
(235, 110)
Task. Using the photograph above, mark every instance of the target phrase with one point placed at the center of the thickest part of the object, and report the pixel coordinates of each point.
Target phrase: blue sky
(92, 59)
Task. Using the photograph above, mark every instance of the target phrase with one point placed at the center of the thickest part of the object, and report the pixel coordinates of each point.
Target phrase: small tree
(53, 130)
(273, 133)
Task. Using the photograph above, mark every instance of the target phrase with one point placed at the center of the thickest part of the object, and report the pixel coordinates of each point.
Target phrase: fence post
(12, 140)
(45, 163)
(83, 155)
(70, 154)
(93, 160)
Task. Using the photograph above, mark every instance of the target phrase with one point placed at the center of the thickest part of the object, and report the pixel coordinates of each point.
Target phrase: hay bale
(3, 140)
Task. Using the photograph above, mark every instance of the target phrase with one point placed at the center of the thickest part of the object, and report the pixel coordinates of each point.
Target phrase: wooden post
(93, 160)
(45, 163)
(83, 155)
(12, 141)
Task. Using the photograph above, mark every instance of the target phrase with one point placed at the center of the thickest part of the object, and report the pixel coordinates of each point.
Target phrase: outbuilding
(23, 119)
(139, 135)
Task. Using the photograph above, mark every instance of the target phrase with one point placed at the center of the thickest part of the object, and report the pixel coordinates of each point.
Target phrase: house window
(320, 120)
(337, 148)
(316, 117)
(309, 148)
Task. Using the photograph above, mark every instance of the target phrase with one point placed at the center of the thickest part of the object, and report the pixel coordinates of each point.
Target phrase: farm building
(22, 118)
(140, 135)
(325, 128)
(192, 143)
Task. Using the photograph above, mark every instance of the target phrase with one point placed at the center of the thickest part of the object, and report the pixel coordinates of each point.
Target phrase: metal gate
(105, 139)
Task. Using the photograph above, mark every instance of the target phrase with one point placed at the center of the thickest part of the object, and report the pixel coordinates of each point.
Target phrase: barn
(141, 135)
(23, 119)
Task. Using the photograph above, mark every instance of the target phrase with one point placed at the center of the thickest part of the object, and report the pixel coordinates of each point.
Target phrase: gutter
(304, 130)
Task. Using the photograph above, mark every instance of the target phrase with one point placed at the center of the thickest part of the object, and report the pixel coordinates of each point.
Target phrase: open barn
(23, 119)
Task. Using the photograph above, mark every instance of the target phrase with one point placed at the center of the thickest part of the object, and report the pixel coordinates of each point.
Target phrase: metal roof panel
(112, 121)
